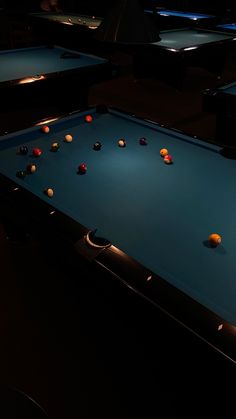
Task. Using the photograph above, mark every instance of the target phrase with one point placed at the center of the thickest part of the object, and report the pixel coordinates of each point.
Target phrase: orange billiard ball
(214, 239)
(88, 118)
(164, 152)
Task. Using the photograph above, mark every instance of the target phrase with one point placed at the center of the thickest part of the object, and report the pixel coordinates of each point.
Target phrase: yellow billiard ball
(68, 138)
(214, 239)
(164, 152)
(49, 192)
(122, 143)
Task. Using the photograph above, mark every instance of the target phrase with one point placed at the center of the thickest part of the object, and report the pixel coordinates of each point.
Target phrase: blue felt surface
(24, 62)
(187, 15)
(159, 214)
(231, 26)
(229, 88)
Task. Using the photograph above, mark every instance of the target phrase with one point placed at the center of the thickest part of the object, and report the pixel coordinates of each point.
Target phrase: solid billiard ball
(214, 239)
(55, 146)
(49, 192)
(23, 149)
(68, 138)
(45, 129)
(97, 146)
(88, 118)
(31, 168)
(21, 174)
(164, 152)
(37, 152)
(122, 143)
(143, 141)
(82, 168)
(168, 159)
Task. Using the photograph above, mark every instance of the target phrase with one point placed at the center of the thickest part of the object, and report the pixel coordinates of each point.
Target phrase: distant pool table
(227, 27)
(49, 74)
(175, 19)
(222, 101)
(67, 29)
(179, 49)
(145, 221)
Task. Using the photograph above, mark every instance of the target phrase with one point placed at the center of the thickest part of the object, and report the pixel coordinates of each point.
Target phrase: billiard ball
(168, 159)
(49, 192)
(164, 152)
(68, 138)
(82, 168)
(88, 118)
(97, 146)
(143, 141)
(21, 174)
(55, 146)
(122, 143)
(31, 168)
(23, 149)
(37, 152)
(45, 129)
(214, 239)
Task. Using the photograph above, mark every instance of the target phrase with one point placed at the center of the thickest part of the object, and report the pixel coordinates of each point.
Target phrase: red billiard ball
(37, 152)
(82, 168)
(168, 159)
(88, 118)
(45, 129)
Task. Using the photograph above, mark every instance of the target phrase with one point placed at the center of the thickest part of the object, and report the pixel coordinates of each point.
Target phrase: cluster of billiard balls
(214, 239)
(30, 168)
(166, 156)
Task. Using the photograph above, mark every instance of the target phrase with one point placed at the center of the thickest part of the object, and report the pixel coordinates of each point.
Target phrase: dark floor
(77, 341)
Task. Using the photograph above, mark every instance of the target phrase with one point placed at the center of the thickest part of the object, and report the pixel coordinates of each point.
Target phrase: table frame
(34, 216)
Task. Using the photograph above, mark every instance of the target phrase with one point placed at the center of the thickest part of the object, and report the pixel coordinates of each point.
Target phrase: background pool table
(67, 29)
(170, 19)
(49, 74)
(156, 216)
(227, 27)
(222, 101)
(181, 48)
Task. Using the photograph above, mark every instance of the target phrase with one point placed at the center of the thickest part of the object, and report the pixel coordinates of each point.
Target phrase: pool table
(49, 74)
(179, 49)
(66, 29)
(227, 27)
(143, 220)
(221, 100)
(175, 19)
